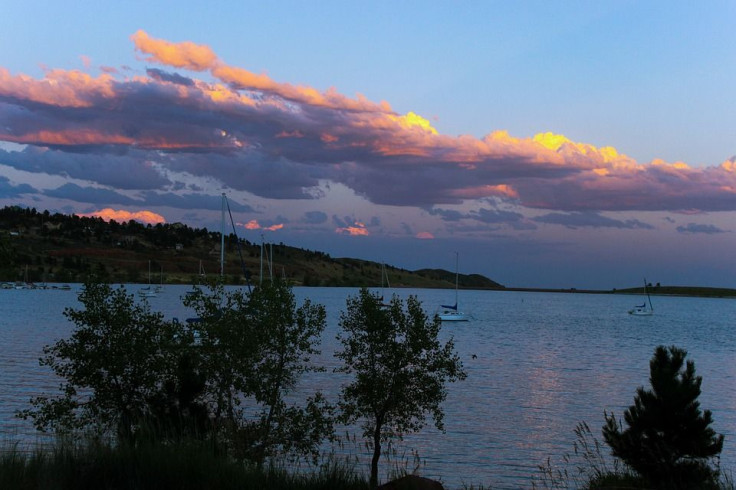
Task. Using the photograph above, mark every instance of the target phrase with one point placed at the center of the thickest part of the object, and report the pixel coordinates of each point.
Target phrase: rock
(412, 482)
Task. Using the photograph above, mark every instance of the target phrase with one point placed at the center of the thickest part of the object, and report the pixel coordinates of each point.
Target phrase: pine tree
(668, 440)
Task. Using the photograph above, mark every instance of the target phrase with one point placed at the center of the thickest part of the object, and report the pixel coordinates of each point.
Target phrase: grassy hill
(681, 291)
(44, 247)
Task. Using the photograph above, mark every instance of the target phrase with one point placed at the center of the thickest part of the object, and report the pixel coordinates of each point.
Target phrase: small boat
(450, 313)
(643, 309)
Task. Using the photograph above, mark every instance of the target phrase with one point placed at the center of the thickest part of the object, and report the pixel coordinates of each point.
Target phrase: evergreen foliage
(399, 365)
(668, 439)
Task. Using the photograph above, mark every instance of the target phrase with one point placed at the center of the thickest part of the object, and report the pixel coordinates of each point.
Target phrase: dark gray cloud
(101, 197)
(191, 201)
(692, 228)
(8, 190)
(314, 218)
(447, 214)
(127, 170)
(513, 219)
(494, 216)
(590, 220)
(165, 76)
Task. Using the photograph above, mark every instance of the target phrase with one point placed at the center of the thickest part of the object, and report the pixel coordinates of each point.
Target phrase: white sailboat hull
(641, 312)
(453, 316)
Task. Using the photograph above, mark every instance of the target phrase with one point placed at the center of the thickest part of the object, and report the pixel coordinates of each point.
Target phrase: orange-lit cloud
(181, 55)
(122, 216)
(424, 235)
(356, 229)
(255, 225)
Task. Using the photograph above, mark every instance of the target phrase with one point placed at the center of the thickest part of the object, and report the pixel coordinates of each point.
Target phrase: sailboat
(147, 292)
(202, 279)
(643, 309)
(450, 312)
(384, 276)
(160, 287)
(225, 206)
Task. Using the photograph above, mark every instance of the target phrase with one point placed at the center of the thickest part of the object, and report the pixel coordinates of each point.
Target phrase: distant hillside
(44, 247)
(681, 291)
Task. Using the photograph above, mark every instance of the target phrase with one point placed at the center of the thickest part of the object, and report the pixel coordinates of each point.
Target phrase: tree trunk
(376, 452)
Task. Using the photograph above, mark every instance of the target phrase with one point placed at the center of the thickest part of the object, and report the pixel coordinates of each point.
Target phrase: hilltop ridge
(44, 247)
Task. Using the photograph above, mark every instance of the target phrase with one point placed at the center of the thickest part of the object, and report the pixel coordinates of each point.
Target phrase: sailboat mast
(222, 238)
(646, 290)
(456, 274)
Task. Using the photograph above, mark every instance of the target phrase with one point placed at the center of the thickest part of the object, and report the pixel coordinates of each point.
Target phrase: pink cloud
(356, 229)
(254, 225)
(122, 216)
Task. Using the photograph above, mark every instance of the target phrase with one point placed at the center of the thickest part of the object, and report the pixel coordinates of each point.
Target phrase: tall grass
(186, 465)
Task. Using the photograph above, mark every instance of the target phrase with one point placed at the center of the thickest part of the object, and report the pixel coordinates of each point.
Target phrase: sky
(570, 144)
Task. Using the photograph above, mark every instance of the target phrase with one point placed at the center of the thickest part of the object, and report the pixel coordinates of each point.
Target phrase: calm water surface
(537, 363)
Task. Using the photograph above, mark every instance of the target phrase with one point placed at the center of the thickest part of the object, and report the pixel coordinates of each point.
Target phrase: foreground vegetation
(226, 380)
(182, 466)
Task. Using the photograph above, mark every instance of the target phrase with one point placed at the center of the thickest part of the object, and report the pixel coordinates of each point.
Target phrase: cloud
(255, 225)
(123, 170)
(73, 192)
(590, 220)
(192, 201)
(314, 218)
(424, 235)
(163, 76)
(692, 228)
(349, 226)
(122, 216)
(181, 55)
(494, 216)
(279, 140)
(8, 190)
(488, 216)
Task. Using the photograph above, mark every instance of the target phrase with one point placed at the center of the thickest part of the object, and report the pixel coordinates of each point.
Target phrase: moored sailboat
(450, 313)
(643, 309)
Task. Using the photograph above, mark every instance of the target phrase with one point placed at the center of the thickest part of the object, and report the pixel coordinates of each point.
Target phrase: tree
(255, 347)
(400, 369)
(113, 366)
(667, 440)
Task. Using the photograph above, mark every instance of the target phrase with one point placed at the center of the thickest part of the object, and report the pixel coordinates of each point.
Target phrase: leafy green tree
(112, 367)
(400, 369)
(667, 439)
(255, 348)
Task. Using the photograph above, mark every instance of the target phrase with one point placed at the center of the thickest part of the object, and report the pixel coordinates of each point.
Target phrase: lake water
(537, 363)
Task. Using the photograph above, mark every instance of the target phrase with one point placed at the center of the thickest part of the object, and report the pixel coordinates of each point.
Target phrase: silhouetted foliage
(254, 348)
(667, 439)
(400, 369)
(113, 366)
